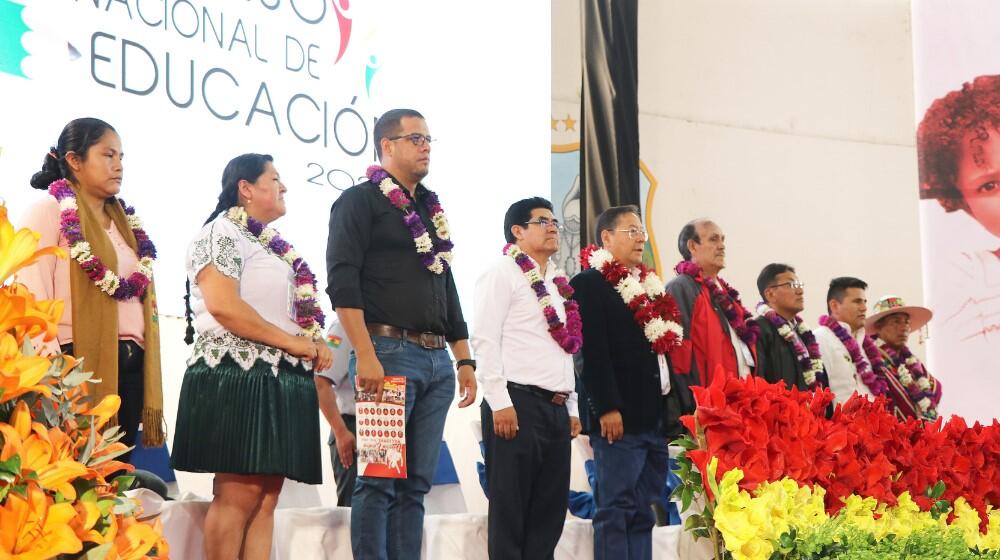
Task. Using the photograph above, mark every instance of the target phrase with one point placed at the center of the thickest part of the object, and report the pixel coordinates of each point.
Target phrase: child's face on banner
(979, 181)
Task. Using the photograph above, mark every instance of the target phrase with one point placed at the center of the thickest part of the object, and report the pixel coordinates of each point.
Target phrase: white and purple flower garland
(568, 335)
(652, 307)
(435, 254)
(728, 298)
(308, 315)
(914, 378)
(104, 278)
(872, 372)
(805, 345)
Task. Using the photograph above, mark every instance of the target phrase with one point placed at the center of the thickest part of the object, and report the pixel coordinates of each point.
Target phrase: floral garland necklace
(872, 372)
(104, 278)
(739, 317)
(805, 345)
(913, 377)
(308, 315)
(652, 308)
(568, 335)
(435, 254)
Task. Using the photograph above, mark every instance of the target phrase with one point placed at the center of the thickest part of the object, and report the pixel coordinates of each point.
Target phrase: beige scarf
(95, 322)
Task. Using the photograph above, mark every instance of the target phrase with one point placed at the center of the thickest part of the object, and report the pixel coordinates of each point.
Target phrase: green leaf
(124, 506)
(76, 377)
(20, 489)
(686, 498)
(98, 553)
(124, 482)
(88, 449)
(12, 465)
(694, 522)
(938, 490)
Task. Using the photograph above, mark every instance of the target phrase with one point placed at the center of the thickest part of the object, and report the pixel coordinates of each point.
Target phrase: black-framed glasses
(546, 223)
(793, 284)
(634, 233)
(417, 138)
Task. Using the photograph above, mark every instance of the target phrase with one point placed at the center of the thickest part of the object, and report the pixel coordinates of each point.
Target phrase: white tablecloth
(325, 534)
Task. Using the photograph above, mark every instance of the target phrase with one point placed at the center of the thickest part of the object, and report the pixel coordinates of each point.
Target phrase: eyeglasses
(634, 233)
(794, 284)
(546, 223)
(417, 138)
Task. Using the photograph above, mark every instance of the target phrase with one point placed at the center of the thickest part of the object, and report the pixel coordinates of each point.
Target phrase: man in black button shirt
(390, 281)
(625, 382)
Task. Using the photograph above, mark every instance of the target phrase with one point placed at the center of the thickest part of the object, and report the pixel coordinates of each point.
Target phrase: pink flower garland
(805, 345)
(918, 386)
(872, 372)
(110, 283)
(568, 336)
(739, 317)
(434, 252)
(308, 314)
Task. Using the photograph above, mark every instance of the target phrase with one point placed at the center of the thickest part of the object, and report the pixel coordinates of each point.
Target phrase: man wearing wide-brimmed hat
(912, 390)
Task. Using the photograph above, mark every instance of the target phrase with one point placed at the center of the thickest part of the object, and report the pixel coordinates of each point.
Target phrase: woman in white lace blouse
(248, 407)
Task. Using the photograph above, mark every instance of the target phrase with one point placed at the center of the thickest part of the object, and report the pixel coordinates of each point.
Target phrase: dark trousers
(131, 381)
(528, 479)
(343, 476)
(631, 475)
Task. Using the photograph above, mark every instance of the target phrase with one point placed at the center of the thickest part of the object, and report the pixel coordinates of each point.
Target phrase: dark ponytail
(77, 136)
(247, 167)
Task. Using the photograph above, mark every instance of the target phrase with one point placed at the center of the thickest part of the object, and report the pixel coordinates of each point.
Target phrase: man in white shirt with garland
(525, 332)
(845, 350)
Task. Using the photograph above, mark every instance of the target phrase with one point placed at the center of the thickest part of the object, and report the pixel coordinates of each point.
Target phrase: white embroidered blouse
(266, 284)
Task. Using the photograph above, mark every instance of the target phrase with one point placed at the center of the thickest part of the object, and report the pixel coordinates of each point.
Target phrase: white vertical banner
(957, 103)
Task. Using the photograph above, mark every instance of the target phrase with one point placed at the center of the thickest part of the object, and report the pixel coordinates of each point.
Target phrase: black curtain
(609, 115)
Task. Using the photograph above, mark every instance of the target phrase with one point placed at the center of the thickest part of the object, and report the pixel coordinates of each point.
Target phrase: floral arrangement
(308, 315)
(57, 497)
(776, 478)
(79, 249)
(568, 335)
(435, 254)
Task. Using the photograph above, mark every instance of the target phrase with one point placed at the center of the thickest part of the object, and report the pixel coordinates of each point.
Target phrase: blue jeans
(387, 514)
(631, 474)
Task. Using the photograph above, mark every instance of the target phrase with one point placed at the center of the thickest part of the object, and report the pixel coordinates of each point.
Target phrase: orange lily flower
(35, 528)
(20, 374)
(18, 249)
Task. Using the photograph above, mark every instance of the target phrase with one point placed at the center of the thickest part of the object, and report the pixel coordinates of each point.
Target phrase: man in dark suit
(780, 344)
(625, 382)
(782, 293)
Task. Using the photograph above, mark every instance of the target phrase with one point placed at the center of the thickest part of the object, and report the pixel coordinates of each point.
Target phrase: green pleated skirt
(230, 420)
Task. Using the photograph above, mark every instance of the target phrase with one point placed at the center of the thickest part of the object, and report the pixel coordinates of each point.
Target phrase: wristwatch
(466, 362)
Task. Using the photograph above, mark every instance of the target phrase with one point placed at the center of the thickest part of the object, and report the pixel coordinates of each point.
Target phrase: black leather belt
(430, 341)
(557, 398)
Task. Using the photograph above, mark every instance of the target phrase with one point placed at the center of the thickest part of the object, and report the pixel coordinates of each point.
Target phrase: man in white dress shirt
(846, 303)
(336, 402)
(529, 409)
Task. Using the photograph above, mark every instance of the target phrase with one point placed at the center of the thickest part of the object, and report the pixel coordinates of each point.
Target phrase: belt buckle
(558, 399)
(432, 345)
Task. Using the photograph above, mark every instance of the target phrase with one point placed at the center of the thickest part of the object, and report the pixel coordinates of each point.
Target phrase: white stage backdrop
(191, 83)
(956, 43)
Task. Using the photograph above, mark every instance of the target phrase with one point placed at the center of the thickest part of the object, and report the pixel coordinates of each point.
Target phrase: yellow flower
(18, 249)
(35, 528)
(860, 512)
(743, 521)
(966, 520)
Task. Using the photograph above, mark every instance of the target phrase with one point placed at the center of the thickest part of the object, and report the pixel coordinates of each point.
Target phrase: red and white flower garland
(653, 309)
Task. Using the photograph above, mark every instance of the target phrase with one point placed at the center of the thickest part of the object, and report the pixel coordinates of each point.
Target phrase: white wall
(789, 123)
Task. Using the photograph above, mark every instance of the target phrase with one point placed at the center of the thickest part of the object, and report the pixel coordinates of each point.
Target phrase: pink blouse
(49, 277)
